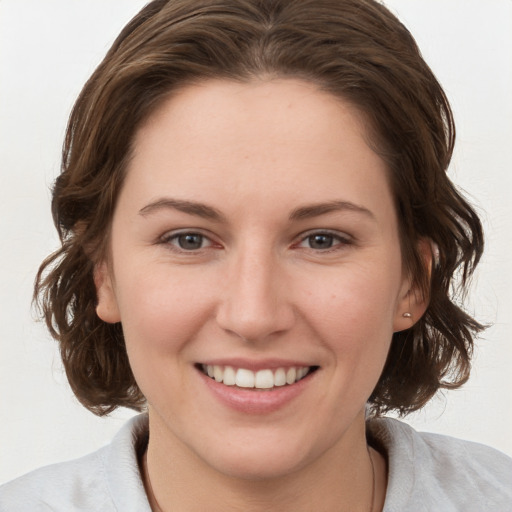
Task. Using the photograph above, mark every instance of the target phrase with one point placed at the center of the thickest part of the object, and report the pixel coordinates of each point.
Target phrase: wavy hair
(355, 50)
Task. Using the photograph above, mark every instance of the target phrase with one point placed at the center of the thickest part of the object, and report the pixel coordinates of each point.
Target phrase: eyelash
(169, 238)
(338, 241)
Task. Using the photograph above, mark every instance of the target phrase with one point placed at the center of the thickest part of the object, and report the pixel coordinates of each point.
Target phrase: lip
(253, 401)
(266, 364)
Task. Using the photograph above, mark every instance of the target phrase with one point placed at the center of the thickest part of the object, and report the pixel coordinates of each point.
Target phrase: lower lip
(253, 401)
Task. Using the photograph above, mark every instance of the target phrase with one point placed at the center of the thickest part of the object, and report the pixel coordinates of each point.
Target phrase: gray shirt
(427, 472)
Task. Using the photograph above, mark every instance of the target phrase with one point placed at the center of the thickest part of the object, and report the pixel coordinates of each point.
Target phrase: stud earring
(407, 315)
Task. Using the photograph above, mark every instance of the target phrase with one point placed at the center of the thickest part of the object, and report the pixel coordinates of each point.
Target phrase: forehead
(283, 136)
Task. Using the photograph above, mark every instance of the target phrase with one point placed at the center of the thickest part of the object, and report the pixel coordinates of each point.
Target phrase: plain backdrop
(48, 48)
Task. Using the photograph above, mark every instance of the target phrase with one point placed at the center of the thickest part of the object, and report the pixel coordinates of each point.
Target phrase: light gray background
(48, 48)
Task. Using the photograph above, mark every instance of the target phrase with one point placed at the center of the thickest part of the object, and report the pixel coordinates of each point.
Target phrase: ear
(413, 302)
(106, 308)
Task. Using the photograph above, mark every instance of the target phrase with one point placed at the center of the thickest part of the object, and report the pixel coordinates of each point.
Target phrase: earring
(407, 315)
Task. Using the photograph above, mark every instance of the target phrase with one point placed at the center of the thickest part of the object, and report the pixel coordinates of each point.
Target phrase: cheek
(353, 309)
(358, 290)
(161, 315)
(160, 311)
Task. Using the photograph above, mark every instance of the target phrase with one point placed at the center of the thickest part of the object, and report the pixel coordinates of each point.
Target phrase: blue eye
(324, 241)
(320, 241)
(188, 241)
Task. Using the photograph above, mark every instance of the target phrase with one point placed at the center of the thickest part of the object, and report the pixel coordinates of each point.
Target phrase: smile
(261, 379)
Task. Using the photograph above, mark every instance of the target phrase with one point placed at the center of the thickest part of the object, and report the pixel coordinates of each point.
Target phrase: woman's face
(255, 239)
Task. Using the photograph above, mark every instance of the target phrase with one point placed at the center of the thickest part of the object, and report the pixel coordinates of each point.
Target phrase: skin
(258, 288)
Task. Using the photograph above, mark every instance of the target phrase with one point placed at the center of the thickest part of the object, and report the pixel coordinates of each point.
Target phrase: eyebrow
(315, 210)
(209, 212)
(190, 207)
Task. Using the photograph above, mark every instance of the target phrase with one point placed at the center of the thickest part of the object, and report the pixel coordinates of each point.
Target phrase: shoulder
(435, 472)
(105, 480)
(62, 486)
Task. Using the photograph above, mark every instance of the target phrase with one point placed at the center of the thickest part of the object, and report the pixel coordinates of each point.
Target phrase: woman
(258, 244)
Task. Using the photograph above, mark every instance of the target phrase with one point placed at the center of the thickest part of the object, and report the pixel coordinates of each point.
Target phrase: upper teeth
(262, 379)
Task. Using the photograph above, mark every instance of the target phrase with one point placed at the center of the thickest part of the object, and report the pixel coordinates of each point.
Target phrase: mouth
(265, 379)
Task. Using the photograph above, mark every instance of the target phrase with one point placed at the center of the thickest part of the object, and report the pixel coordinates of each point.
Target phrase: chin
(260, 459)
(258, 466)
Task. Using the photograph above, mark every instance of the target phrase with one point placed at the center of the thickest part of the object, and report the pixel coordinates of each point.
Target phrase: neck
(346, 478)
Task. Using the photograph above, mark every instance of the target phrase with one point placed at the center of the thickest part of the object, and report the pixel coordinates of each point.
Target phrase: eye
(320, 241)
(187, 241)
(324, 240)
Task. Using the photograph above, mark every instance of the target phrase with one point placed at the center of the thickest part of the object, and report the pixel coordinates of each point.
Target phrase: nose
(255, 305)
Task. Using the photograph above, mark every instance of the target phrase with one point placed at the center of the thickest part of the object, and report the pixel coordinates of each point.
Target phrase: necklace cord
(373, 477)
(152, 496)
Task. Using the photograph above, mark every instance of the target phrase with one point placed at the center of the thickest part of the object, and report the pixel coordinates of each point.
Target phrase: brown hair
(354, 49)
